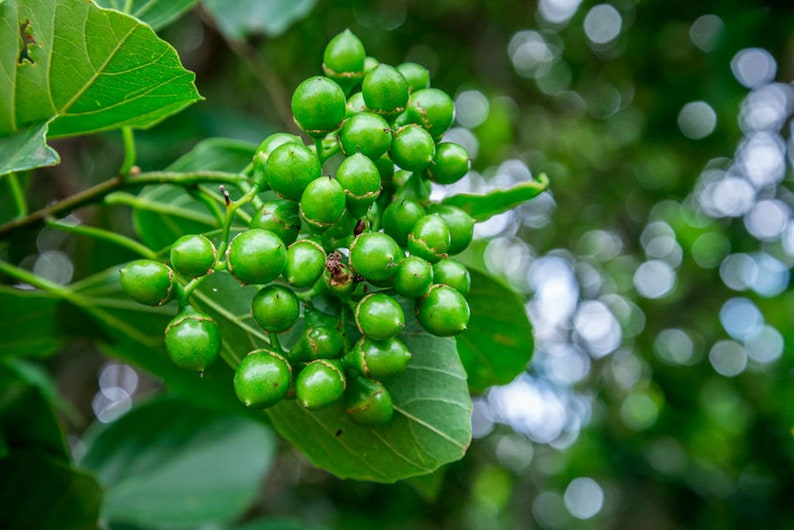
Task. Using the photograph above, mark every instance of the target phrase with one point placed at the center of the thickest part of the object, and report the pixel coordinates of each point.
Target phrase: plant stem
(129, 152)
(18, 195)
(104, 235)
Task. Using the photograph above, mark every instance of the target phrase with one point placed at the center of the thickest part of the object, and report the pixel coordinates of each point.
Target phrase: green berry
(374, 255)
(318, 105)
(305, 263)
(450, 163)
(453, 273)
(378, 358)
(385, 90)
(355, 104)
(366, 133)
(379, 316)
(319, 384)
(275, 308)
(417, 75)
(262, 379)
(338, 276)
(290, 168)
(360, 179)
(460, 224)
(280, 216)
(321, 342)
(413, 277)
(399, 217)
(340, 234)
(433, 109)
(263, 153)
(443, 311)
(193, 340)
(193, 255)
(368, 402)
(147, 281)
(256, 256)
(323, 202)
(343, 59)
(412, 148)
(429, 238)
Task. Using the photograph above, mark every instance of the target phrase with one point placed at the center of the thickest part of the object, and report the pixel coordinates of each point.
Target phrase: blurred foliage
(670, 437)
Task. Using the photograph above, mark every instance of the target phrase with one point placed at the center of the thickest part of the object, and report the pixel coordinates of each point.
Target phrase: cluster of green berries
(367, 238)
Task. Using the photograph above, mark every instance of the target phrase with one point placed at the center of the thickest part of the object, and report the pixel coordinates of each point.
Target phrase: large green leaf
(483, 207)
(156, 13)
(432, 423)
(41, 492)
(498, 343)
(26, 148)
(254, 17)
(170, 464)
(82, 69)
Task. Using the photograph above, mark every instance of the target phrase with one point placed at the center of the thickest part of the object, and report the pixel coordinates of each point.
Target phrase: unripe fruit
(385, 90)
(378, 358)
(433, 109)
(319, 384)
(368, 402)
(193, 340)
(338, 276)
(429, 238)
(413, 277)
(450, 163)
(443, 311)
(417, 75)
(453, 273)
(374, 256)
(147, 281)
(256, 256)
(460, 224)
(379, 316)
(355, 104)
(366, 133)
(280, 216)
(360, 179)
(318, 105)
(399, 217)
(193, 255)
(275, 308)
(290, 168)
(321, 342)
(412, 148)
(343, 59)
(263, 153)
(262, 379)
(305, 263)
(322, 202)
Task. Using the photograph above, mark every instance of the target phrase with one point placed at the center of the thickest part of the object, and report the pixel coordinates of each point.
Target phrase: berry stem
(275, 342)
(231, 208)
(17, 194)
(103, 235)
(127, 164)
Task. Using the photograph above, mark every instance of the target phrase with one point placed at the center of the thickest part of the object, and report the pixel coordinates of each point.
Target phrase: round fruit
(374, 255)
(322, 202)
(305, 263)
(193, 340)
(429, 238)
(413, 277)
(366, 133)
(193, 255)
(147, 281)
(379, 316)
(321, 342)
(368, 402)
(412, 148)
(360, 178)
(443, 311)
(280, 216)
(385, 90)
(318, 105)
(433, 109)
(290, 168)
(338, 276)
(355, 104)
(256, 256)
(262, 379)
(450, 163)
(378, 358)
(417, 75)
(319, 384)
(275, 308)
(453, 273)
(460, 224)
(399, 217)
(263, 153)
(343, 59)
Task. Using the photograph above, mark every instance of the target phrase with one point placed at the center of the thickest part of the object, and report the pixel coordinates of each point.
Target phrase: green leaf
(483, 207)
(82, 69)
(156, 13)
(26, 148)
(254, 17)
(41, 492)
(432, 421)
(498, 342)
(276, 524)
(169, 464)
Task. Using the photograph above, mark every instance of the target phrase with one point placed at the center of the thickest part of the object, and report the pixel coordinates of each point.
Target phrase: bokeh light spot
(705, 32)
(602, 23)
(728, 358)
(697, 120)
(584, 498)
(753, 67)
(654, 279)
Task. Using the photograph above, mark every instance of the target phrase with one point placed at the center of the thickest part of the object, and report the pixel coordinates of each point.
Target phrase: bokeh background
(656, 270)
